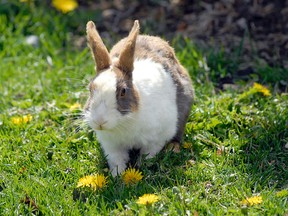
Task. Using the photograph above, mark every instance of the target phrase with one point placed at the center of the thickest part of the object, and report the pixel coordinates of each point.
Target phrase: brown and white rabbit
(140, 98)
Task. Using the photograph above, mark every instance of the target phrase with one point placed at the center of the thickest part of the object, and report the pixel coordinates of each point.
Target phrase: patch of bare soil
(258, 27)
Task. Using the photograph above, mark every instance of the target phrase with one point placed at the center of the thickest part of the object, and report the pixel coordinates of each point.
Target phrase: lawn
(234, 159)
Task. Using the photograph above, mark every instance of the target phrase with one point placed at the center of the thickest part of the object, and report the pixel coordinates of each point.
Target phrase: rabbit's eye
(123, 92)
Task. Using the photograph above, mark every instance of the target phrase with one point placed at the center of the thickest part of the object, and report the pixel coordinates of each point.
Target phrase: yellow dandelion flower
(252, 201)
(97, 181)
(21, 120)
(132, 176)
(282, 193)
(147, 199)
(262, 89)
(16, 120)
(85, 181)
(65, 6)
(75, 106)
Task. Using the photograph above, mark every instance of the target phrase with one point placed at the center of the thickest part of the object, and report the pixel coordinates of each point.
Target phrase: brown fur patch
(91, 87)
(129, 101)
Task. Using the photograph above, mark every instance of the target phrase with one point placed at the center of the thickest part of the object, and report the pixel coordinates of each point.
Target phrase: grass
(238, 138)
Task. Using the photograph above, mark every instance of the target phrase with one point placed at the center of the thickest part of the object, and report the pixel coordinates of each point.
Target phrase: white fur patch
(103, 114)
(155, 122)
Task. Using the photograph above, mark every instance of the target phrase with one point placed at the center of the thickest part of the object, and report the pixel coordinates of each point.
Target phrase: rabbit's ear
(126, 57)
(99, 51)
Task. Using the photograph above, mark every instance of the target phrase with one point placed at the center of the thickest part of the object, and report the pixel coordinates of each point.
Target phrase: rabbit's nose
(100, 124)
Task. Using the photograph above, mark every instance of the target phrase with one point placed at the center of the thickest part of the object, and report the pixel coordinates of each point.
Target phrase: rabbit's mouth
(99, 125)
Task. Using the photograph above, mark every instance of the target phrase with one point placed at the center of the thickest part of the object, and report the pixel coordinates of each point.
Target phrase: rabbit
(140, 98)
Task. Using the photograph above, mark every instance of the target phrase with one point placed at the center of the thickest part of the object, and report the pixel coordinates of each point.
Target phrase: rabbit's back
(148, 47)
(159, 51)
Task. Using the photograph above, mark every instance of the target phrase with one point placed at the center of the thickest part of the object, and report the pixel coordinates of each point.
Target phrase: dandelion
(21, 120)
(65, 6)
(132, 176)
(282, 193)
(252, 201)
(75, 106)
(85, 181)
(261, 89)
(148, 199)
(97, 181)
(257, 88)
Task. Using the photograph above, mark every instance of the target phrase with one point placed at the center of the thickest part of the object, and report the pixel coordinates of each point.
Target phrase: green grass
(238, 139)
